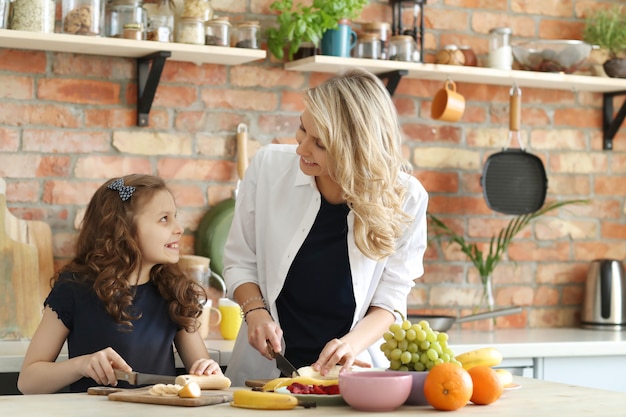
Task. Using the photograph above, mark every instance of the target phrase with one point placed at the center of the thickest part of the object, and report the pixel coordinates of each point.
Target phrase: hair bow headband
(125, 191)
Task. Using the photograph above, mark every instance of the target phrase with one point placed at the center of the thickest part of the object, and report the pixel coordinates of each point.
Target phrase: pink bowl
(375, 390)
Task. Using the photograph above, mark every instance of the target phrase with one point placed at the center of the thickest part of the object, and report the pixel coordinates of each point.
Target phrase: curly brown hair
(107, 251)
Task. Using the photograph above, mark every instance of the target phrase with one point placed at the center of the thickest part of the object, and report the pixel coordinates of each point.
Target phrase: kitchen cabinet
(603, 372)
(394, 70)
(150, 56)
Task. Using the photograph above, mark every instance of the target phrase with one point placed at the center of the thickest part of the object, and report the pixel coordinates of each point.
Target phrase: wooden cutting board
(20, 307)
(140, 395)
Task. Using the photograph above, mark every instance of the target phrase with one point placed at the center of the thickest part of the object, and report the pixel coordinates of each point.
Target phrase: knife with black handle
(282, 363)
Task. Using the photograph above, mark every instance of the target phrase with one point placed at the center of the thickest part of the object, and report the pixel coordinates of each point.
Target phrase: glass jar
(4, 13)
(500, 52)
(190, 30)
(198, 9)
(133, 31)
(403, 48)
(161, 22)
(218, 32)
(83, 17)
(124, 12)
(368, 46)
(450, 55)
(33, 15)
(383, 30)
(470, 56)
(246, 35)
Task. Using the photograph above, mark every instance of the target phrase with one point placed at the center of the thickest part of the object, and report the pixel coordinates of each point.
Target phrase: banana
(306, 380)
(271, 385)
(263, 400)
(485, 356)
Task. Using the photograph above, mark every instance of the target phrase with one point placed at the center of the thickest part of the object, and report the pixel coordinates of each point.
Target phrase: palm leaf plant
(498, 245)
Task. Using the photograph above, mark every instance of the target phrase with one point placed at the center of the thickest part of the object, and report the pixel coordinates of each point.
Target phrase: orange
(488, 386)
(447, 387)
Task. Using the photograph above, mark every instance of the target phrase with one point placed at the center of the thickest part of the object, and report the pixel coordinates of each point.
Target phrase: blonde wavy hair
(358, 125)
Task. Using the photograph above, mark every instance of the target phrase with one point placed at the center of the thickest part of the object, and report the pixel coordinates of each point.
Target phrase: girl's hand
(205, 367)
(264, 331)
(99, 366)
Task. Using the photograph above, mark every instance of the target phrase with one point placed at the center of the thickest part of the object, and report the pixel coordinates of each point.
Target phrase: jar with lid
(83, 17)
(198, 9)
(124, 12)
(500, 52)
(4, 13)
(33, 15)
(368, 46)
(383, 30)
(403, 48)
(217, 32)
(450, 55)
(133, 31)
(246, 35)
(190, 30)
(161, 22)
(470, 56)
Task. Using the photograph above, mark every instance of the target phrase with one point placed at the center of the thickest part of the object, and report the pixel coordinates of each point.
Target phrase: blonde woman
(327, 236)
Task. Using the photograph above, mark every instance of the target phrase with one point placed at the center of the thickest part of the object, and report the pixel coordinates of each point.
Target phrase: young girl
(122, 301)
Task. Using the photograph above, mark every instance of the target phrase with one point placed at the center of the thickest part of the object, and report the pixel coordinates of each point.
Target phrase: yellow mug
(206, 316)
(231, 318)
(447, 105)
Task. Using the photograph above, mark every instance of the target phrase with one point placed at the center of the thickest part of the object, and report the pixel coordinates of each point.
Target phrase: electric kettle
(604, 303)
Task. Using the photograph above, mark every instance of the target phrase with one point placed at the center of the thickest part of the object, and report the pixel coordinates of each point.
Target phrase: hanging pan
(513, 180)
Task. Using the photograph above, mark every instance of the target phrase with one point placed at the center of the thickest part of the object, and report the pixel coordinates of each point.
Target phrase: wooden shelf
(92, 45)
(475, 75)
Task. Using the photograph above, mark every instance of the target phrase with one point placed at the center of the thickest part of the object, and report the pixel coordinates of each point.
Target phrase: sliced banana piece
(310, 372)
(165, 390)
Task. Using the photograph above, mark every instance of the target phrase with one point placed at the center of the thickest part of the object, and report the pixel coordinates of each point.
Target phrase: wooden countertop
(534, 398)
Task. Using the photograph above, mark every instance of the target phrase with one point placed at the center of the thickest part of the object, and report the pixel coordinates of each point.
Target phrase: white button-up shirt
(275, 209)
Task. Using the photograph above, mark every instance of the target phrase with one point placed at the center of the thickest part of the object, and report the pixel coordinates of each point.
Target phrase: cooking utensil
(214, 227)
(444, 323)
(282, 363)
(137, 378)
(513, 180)
(604, 305)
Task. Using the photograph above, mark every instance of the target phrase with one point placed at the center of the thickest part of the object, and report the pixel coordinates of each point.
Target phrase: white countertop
(534, 398)
(513, 343)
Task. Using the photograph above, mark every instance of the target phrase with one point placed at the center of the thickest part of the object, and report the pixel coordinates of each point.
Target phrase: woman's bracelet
(245, 315)
(251, 300)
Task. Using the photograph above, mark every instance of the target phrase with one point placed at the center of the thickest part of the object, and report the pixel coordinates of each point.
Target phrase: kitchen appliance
(604, 305)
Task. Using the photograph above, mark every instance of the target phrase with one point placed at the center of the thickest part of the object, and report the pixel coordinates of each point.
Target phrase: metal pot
(444, 323)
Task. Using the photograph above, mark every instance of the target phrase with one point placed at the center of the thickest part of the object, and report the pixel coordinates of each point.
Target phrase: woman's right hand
(99, 366)
(263, 330)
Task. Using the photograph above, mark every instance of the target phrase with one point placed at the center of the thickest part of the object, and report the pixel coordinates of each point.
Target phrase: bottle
(161, 22)
(246, 35)
(33, 15)
(83, 17)
(500, 52)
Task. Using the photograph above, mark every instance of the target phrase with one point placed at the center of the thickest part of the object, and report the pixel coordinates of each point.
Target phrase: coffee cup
(231, 318)
(447, 105)
(210, 316)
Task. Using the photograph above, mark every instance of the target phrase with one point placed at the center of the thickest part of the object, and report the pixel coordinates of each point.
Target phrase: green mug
(340, 41)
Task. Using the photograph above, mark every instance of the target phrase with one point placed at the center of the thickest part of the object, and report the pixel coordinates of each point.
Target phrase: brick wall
(67, 123)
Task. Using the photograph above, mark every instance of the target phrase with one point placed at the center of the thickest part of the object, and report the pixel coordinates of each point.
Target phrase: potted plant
(606, 28)
(298, 23)
(498, 246)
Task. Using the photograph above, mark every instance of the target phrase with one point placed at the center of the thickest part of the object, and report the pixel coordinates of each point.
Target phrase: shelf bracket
(149, 69)
(610, 126)
(393, 79)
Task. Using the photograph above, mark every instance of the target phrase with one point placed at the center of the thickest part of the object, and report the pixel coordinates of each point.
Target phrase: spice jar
(368, 46)
(133, 31)
(403, 48)
(33, 15)
(246, 35)
(83, 17)
(124, 12)
(383, 30)
(199, 9)
(190, 30)
(450, 55)
(500, 53)
(161, 22)
(217, 32)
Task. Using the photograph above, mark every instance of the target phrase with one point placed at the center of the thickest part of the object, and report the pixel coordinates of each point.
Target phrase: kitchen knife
(282, 363)
(136, 378)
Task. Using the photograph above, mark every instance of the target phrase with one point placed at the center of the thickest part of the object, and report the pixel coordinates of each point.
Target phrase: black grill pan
(514, 181)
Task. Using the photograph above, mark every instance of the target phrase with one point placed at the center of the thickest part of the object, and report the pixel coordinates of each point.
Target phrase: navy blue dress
(148, 347)
(316, 303)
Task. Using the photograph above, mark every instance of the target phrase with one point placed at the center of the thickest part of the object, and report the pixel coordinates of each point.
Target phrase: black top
(147, 348)
(317, 303)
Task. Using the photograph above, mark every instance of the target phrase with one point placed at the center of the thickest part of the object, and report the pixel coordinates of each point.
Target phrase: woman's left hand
(205, 367)
(335, 352)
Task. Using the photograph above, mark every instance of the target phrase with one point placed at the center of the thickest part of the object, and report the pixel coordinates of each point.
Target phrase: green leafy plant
(607, 29)
(498, 245)
(299, 23)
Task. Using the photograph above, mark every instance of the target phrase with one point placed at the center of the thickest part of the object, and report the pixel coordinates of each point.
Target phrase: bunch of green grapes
(416, 347)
